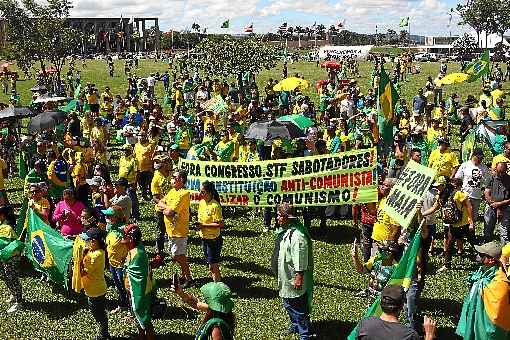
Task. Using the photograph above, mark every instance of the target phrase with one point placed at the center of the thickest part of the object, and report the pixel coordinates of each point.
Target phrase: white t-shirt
(474, 178)
(151, 81)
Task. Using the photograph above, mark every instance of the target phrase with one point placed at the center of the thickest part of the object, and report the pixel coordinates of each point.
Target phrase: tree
(40, 32)
(465, 45)
(225, 56)
(403, 36)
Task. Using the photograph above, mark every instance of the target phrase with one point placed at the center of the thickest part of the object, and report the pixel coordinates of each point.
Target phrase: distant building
(431, 41)
(118, 34)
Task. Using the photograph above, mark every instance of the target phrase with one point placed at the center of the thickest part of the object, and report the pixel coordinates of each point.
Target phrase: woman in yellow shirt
(92, 278)
(210, 222)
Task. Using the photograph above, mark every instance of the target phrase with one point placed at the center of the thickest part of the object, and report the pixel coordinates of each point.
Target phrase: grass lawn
(52, 314)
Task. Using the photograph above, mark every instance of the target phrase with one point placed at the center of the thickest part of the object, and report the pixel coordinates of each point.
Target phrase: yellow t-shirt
(385, 225)
(443, 163)
(501, 158)
(6, 231)
(178, 201)
(505, 252)
(160, 185)
(40, 204)
(3, 167)
(496, 94)
(92, 98)
(209, 212)
(117, 251)
(98, 134)
(79, 174)
(143, 155)
(128, 168)
(459, 197)
(94, 282)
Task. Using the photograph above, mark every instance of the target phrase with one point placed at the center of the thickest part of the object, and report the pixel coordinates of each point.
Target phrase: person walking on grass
(210, 223)
(293, 262)
(175, 206)
(93, 280)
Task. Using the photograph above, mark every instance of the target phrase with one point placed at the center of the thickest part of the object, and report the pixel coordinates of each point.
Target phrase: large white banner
(337, 52)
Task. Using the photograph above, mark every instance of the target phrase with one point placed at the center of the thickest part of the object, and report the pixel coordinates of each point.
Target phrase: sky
(427, 17)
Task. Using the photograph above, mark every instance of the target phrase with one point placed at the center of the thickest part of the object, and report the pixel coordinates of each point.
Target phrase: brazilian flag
(486, 309)
(225, 24)
(401, 275)
(478, 68)
(388, 96)
(47, 249)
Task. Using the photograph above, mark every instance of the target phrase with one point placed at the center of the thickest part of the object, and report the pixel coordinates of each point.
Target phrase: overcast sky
(428, 17)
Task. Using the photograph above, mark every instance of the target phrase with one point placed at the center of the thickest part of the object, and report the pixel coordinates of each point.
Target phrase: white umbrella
(49, 99)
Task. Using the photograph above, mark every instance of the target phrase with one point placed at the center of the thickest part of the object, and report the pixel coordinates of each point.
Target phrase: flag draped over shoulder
(78, 250)
(48, 251)
(486, 309)
(479, 67)
(138, 280)
(401, 275)
(388, 96)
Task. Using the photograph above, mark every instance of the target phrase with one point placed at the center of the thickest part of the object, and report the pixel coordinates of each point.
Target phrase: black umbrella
(45, 120)
(10, 111)
(270, 130)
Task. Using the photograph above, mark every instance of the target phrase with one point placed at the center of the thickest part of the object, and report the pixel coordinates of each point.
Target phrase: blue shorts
(212, 249)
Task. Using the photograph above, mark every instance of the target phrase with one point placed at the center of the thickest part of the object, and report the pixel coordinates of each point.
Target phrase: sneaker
(11, 299)
(14, 308)
(157, 261)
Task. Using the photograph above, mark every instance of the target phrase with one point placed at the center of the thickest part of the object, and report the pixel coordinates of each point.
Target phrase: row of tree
(489, 16)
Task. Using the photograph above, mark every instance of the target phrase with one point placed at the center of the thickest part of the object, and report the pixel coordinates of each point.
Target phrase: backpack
(451, 213)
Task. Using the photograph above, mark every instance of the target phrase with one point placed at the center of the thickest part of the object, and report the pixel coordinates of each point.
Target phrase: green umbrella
(300, 121)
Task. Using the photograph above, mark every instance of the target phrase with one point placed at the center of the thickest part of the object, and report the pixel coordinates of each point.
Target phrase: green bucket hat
(218, 297)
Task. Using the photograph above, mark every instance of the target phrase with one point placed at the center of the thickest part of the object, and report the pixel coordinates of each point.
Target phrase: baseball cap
(442, 140)
(92, 234)
(113, 211)
(492, 249)
(218, 297)
(393, 295)
(122, 181)
(96, 181)
(174, 147)
(441, 180)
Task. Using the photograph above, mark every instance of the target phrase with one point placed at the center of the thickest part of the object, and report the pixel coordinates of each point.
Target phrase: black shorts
(459, 233)
(212, 249)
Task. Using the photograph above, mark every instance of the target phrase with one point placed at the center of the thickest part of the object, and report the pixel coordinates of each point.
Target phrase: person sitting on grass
(387, 326)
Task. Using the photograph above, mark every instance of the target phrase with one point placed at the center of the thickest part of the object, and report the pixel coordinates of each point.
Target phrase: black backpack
(451, 213)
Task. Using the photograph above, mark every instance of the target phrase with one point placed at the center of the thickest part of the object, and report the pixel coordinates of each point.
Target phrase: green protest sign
(343, 178)
(410, 188)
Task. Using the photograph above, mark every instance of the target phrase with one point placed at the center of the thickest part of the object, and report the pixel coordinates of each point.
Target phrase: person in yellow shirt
(87, 123)
(501, 158)
(178, 98)
(443, 160)
(38, 203)
(144, 152)
(92, 278)
(210, 222)
(497, 94)
(10, 267)
(175, 206)
(160, 186)
(464, 227)
(128, 169)
(99, 132)
(385, 227)
(505, 258)
(248, 152)
(117, 251)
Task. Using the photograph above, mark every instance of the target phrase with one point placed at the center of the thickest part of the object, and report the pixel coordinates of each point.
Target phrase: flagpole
(409, 32)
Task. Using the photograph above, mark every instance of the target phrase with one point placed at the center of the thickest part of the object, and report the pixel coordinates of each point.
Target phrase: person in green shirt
(293, 262)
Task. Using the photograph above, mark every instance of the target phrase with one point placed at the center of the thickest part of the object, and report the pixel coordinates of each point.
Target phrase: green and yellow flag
(404, 22)
(478, 68)
(402, 275)
(388, 96)
(486, 309)
(47, 249)
(225, 24)
(139, 282)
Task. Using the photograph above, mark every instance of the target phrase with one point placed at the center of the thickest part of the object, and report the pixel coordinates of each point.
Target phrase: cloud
(427, 16)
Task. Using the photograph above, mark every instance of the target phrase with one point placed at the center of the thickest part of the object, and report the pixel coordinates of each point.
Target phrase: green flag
(388, 96)
(140, 284)
(478, 68)
(47, 249)
(9, 247)
(20, 223)
(69, 107)
(225, 24)
(401, 275)
(404, 22)
(77, 92)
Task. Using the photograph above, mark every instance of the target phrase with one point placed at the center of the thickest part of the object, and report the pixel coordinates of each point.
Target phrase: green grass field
(50, 313)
